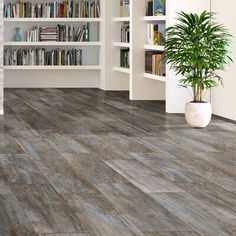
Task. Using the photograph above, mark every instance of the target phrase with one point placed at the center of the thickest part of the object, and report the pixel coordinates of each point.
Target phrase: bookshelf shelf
(154, 47)
(122, 70)
(121, 19)
(52, 67)
(52, 19)
(155, 18)
(155, 77)
(45, 44)
(122, 45)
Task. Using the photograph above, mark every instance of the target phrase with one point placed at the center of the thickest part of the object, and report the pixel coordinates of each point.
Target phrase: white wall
(50, 79)
(176, 97)
(224, 99)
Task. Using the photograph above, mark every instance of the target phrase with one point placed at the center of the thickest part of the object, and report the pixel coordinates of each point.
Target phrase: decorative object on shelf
(17, 37)
(197, 48)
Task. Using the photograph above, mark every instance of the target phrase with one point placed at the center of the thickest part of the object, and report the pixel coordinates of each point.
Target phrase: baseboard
(224, 119)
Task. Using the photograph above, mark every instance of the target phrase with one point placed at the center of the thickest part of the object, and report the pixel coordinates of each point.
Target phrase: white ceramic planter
(198, 115)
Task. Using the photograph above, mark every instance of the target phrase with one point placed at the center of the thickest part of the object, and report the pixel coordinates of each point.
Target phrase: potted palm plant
(198, 48)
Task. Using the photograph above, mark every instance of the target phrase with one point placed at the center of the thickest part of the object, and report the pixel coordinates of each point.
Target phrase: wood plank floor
(83, 162)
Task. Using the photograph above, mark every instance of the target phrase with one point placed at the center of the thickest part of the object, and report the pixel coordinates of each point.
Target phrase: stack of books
(125, 33)
(155, 63)
(48, 34)
(42, 57)
(155, 7)
(124, 8)
(156, 34)
(124, 58)
(68, 9)
(60, 33)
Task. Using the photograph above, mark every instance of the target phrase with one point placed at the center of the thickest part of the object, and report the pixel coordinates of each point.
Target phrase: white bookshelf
(92, 52)
(118, 71)
(148, 47)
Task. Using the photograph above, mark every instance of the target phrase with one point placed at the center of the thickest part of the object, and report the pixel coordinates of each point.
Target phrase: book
(124, 8)
(42, 57)
(158, 7)
(155, 7)
(124, 58)
(155, 63)
(149, 9)
(125, 33)
(67, 9)
(156, 34)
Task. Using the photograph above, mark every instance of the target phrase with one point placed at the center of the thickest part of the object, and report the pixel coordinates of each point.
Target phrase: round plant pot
(198, 115)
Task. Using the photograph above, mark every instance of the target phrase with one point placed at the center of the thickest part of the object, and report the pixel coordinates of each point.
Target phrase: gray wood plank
(20, 169)
(196, 215)
(143, 211)
(93, 169)
(98, 215)
(13, 220)
(142, 177)
(47, 211)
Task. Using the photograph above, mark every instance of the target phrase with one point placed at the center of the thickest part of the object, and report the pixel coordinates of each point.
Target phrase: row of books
(124, 58)
(40, 56)
(155, 7)
(125, 33)
(155, 63)
(68, 9)
(124, 8)
(156, 34)
(60, 33)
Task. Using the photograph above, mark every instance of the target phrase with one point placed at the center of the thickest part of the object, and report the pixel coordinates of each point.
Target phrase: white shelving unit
(118, 22)
(19, 76)
(158, 48)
